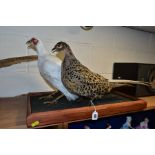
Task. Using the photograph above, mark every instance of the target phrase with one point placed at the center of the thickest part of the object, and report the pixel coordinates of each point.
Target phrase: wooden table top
(150, 102)
(13, 111)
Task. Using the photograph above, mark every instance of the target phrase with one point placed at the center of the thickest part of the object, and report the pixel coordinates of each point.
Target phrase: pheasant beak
(53, 50)
(28, 44)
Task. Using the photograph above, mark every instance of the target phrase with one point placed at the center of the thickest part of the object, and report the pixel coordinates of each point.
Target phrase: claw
(46, 97)
(55, 101)
(49, 96)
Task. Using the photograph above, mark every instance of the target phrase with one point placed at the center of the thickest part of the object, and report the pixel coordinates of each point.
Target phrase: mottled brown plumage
(78, 79)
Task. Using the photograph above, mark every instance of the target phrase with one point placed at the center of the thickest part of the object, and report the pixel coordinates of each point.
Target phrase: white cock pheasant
(50, 68)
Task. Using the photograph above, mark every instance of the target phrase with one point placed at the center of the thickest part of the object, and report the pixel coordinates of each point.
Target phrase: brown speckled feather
(78, 79)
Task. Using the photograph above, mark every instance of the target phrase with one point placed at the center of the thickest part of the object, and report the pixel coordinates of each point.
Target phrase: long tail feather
(122, 83)
(16, 60)
(116, 85)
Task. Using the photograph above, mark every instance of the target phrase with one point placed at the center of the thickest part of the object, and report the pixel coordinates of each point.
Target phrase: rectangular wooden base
(42, 115)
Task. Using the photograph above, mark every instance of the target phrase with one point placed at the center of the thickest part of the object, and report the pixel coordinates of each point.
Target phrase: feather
(16, 60)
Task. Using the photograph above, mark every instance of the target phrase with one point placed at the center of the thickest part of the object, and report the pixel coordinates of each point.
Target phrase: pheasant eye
(59, 46)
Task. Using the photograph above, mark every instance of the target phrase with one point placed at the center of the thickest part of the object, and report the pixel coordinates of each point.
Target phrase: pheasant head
(32, 43)
(61, 46)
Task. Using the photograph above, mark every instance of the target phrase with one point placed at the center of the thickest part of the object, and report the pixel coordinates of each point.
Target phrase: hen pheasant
(78, 79)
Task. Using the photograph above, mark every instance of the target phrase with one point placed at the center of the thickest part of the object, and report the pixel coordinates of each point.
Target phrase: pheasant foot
(55, 101)
(49, 96)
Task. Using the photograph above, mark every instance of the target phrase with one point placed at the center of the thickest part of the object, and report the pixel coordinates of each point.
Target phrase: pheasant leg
(49, 96)
(55, 101)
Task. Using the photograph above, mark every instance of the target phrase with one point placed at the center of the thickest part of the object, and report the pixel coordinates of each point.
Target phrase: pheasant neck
(41, 51)
(69, 54)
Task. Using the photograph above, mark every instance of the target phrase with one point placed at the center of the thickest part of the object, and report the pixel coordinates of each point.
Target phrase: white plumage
(50, 67)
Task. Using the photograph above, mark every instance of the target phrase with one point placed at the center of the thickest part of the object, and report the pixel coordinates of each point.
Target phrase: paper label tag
(95, 115)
